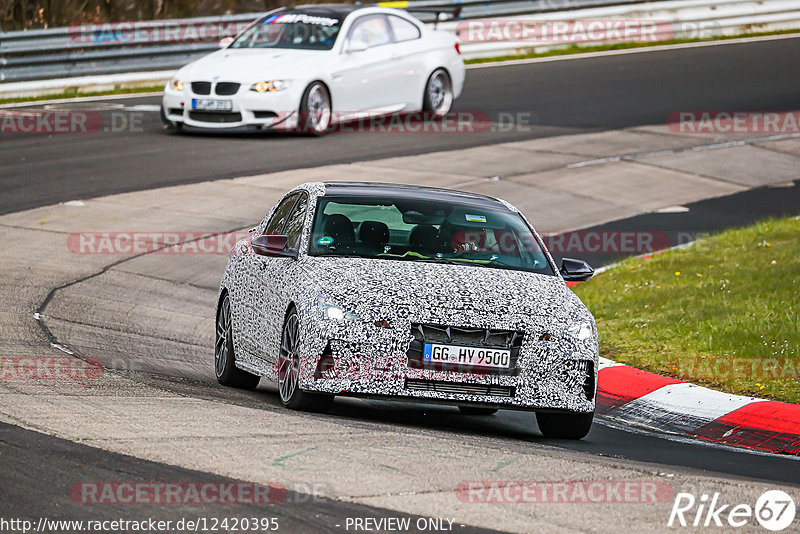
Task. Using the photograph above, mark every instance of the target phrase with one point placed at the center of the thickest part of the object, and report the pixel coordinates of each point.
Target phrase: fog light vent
(326, 366)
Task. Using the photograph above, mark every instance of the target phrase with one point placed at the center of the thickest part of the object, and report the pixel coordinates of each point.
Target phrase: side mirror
(271, 245)
(575, 270)
(225, 42)
(356, 46)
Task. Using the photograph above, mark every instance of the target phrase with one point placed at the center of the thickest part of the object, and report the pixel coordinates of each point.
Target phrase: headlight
(581, 331)
(176, 84)
(272, 86)
(333, 312)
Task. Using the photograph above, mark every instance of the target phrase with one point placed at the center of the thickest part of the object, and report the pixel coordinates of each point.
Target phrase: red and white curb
(655, 402)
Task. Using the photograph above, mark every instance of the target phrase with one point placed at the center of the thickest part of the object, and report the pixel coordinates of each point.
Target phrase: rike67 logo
(774, 510)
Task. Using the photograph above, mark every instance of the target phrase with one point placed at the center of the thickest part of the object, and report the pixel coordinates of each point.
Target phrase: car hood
(439, 293)
(251, 65)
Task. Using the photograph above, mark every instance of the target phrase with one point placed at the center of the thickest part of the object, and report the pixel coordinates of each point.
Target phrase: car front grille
(215, 116)
(227, 88)
(477, 337)
(463, 336)
(201, 88)
(453, 388)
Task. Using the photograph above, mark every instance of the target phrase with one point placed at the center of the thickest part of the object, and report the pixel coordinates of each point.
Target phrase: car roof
(395, 191)
(332, 10)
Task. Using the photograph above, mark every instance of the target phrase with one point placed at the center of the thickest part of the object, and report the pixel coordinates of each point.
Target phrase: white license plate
(210, 104)
(474, 356)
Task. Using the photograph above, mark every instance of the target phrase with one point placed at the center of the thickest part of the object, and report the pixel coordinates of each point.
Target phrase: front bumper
(556, 374)
(248, 108)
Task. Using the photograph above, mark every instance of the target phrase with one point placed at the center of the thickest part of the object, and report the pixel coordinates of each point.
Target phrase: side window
(371, 30)
(402, 29)
(294, 228)
(280, 215)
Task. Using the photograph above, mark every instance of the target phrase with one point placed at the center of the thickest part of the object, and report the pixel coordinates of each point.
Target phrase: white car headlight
(334, 312)
(581, 331)
(176, 85)
(272, 86)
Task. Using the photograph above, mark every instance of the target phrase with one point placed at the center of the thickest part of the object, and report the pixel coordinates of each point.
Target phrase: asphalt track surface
(559, 97)
(48, 473)
(564, 97)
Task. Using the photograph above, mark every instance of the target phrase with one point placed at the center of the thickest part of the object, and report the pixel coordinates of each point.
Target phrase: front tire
(315, 110)
(564, 425)
(438, 97)
(289, 371)
(224, 358)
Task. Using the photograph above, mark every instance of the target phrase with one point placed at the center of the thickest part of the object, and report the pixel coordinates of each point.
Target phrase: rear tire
(224, 358)
(476, 410)
(564, 425)
(289, 372)
(438, 97)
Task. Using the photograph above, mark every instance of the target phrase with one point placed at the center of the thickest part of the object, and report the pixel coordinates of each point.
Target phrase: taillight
(458, 49)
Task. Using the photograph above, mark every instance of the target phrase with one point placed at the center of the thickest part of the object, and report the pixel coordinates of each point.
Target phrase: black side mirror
(575, 270)
(271, 245)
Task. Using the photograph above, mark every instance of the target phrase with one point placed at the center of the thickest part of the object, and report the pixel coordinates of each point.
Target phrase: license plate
(474, 356)
(210, 104)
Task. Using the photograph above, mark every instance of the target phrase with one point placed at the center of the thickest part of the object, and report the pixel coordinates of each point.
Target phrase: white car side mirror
(356, 46)
(225, 41)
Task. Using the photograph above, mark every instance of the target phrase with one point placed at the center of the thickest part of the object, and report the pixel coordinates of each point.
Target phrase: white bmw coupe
(314, 66)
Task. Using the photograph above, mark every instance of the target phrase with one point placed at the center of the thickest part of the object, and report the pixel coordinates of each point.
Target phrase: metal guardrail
(85, 50)
(81, 50)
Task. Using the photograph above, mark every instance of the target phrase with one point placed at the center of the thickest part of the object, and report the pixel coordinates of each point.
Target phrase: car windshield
(427, 230)
(291, 30)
